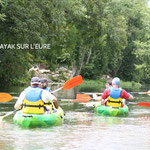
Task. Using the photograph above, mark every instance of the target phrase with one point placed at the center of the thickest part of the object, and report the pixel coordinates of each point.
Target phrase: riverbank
(62, 74)
(99, 85)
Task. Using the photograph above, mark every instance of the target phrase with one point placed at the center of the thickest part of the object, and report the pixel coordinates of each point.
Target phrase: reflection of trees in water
(79, 118)
(105, 121)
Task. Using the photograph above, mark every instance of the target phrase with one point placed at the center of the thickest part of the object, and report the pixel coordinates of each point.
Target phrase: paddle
(5, 97)
(143, 104)
(8, 114)
(71, 83)
(148, 93)
(82, 98)
(87, 93)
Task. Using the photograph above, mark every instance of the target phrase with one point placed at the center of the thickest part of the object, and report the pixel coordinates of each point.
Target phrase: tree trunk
(89, 56)
(77, 69)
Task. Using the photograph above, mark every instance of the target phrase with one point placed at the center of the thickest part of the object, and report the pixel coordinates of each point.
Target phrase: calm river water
(82, 129)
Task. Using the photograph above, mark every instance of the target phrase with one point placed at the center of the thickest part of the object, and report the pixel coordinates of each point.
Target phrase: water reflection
(82, 129)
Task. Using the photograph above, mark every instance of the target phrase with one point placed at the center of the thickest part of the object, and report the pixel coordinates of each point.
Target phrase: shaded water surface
(81, 129)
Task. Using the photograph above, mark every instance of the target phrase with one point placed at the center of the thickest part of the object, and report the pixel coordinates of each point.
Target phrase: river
(82, 129)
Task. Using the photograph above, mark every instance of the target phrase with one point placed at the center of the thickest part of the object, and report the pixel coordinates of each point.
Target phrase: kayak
(37, 120)
(111, 111)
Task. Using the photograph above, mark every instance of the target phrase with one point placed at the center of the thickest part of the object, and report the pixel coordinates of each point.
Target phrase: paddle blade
(73, 82)
(5, 97)
(148, 93)
(143, 104)
(82, 98)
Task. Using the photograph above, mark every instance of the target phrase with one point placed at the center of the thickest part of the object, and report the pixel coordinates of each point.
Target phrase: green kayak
(111, 111)
(38, 120)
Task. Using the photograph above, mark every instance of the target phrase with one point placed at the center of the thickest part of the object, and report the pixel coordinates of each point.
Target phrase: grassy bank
(99, 85)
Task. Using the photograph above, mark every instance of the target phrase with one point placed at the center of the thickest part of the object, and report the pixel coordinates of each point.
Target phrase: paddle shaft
(8, 114)
(57, 90)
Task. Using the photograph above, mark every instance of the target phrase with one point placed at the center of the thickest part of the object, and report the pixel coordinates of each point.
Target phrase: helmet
(116, 81)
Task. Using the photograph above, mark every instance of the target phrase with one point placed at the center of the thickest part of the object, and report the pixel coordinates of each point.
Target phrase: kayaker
(108, 83)
(44, 85)
(113, 96)
(33, 99)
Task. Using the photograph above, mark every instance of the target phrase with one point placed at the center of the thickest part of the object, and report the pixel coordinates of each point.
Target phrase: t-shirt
(124, 94)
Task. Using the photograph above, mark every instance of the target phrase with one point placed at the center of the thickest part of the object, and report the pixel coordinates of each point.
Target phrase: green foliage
(92, 85)
(87, 72)
(99, 85)
(13, 64)
(93, 37)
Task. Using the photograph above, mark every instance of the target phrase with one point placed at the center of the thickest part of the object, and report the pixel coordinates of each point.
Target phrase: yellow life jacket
(33, 107)
(38, 107)
(114, 102)
(114, 99)
(33, 104)
(50, 104)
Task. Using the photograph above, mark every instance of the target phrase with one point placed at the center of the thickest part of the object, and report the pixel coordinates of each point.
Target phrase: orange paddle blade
(148, 94)
(80, 101)
(73, 82)
(83, 98)
(5, 97)
(143, 104)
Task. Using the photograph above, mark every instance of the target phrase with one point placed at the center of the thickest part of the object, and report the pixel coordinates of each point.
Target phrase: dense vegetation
(91, 37)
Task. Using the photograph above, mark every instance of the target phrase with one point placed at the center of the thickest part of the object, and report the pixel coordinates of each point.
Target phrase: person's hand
(95, 96)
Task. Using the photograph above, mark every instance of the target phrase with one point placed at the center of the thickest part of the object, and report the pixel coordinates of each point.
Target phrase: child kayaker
(113, 96)
(44, 85)
(108, 83)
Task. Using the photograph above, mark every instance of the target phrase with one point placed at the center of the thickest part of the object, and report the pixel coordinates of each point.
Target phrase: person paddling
(44, 85)
(113, 96)
(33, 99)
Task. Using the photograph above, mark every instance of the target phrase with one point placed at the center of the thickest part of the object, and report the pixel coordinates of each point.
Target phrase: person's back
(33, 102)
(113, 96)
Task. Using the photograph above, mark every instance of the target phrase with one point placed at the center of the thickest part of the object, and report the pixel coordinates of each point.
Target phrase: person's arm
(131, 97)
(126, 95)
(98, 98)
(104, 95)
(20, 100)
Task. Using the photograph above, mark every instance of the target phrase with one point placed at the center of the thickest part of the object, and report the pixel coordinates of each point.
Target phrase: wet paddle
(71, 83)
(8, 114)
(143, 104)
(5, 97)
